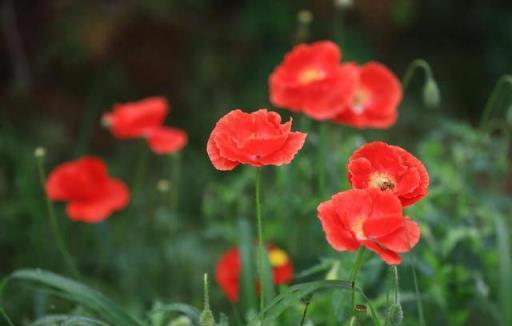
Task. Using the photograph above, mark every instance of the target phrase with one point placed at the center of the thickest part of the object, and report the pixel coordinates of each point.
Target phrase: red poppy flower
(228, 270)
(144, 119)
(136, 119)
(375, 101)
(388, 168)
(167, 140)
(371, 218)
(310, 79)
(92, 195)
(256, 139)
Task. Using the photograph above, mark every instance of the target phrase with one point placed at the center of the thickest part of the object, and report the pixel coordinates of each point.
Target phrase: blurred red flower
(229, 268)
(144, 119)
(167, 140)
(310, 79)
(256, 138)
(375, 101)
(92, 195)
(371, 218)
(388, 168)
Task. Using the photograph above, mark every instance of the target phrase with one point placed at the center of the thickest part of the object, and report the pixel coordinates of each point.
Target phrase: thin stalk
(418, 63)
(140, 173)
(504, 80)
(304, 314)
(355, 270)
(261, 249)
(417, 289)
(322, 152)
(54, 224)
(396, 284)
(6, 317)
(175, 180)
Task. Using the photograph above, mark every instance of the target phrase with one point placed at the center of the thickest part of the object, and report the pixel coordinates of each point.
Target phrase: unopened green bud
(395, 315)
(431, 94)
(206, 318)
(181, 321)
(40, 152)
(305, 17)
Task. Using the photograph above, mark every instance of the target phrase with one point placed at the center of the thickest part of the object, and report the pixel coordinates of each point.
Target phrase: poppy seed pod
(395, 315)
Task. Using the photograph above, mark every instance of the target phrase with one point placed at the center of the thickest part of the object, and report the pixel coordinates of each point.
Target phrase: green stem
(175, 180)
(355, 270)
(322, 152)
(396, 284)
(140, 173)
(418, 63)
(304, 314)
(507, 79)
(54, 224)
(417, 290)
(261, 249)
(6, 317)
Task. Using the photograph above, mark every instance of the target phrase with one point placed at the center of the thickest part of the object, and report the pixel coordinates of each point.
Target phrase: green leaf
(248, 291)
(182, 308)
(71, 320)
(77, 292)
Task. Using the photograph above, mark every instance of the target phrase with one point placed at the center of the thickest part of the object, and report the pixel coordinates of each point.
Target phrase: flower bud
(304, 17)
(40, 152)
(431, 94)
(181, 321)
(206, 318)
(395, 315)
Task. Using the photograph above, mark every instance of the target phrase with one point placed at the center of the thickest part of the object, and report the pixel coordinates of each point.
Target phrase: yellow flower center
(310, 75)
(277, 257)
(359, 101)
(382, 181)
(357, 227)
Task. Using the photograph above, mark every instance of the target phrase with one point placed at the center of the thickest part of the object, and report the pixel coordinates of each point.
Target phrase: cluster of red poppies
(92, 195)
(384, 178)
(312, 79)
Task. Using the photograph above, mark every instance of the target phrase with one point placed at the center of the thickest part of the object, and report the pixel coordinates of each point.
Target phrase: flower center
(357, 227)
(277, 257)
(359, 101)
(382, 181)
(310, 75)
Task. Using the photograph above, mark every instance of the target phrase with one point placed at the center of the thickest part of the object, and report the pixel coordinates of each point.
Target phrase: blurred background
(63, 63)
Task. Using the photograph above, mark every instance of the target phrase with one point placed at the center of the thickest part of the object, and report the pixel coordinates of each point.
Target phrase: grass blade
(79, 293)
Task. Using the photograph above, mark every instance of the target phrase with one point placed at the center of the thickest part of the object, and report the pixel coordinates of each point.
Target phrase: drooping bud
(431, 94)
(206, 318)
(395, 315)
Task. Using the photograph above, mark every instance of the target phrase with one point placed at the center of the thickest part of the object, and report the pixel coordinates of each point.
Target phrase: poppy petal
(165, 140)
(219, 162)
(287, 152)
(335, 230)
(388, 256)
(115, 197)
(403, 239)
